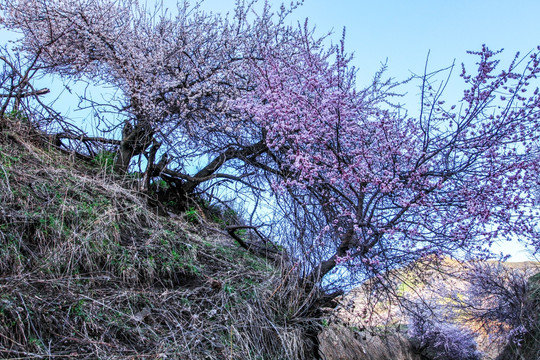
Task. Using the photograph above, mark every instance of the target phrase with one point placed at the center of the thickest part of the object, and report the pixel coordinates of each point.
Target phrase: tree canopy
(354, 181)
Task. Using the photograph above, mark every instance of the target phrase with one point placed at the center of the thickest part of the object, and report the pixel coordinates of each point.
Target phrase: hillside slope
(88, 270)
(434, 283)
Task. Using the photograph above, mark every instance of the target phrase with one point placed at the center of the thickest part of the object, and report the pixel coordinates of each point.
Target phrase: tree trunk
(135, 140)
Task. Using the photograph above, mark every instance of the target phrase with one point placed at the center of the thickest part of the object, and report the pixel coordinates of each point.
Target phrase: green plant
(229, 289)
(161, 184)
(192, 216)
(185, 301)
(7, 160)
(241, 233)
(78, 309)
(17, 115)
(105, 160)
(33, 341)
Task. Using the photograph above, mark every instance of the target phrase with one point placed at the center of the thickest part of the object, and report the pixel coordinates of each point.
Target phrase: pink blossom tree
(369, 187)
(360, 184)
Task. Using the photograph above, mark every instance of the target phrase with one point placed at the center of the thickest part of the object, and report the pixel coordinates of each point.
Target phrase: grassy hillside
(89, 270)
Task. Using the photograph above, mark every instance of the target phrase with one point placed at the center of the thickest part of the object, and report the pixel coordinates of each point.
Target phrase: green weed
(105, 160)
(192, 216)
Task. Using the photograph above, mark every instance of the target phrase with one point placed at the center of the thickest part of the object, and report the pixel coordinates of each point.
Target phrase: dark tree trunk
(135, 140)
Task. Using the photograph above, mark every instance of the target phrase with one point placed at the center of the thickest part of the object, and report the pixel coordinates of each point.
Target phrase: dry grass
(88, 270)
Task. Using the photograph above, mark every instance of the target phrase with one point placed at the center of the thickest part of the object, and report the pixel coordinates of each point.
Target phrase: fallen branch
(255, 248)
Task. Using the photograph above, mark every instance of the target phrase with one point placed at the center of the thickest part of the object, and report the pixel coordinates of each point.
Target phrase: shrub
(440, 339)
(497, 298)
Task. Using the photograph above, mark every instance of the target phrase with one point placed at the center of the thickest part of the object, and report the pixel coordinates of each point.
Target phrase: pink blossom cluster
(456, 178)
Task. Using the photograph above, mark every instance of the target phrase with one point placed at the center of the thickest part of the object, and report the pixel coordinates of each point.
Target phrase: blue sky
(402, 33)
